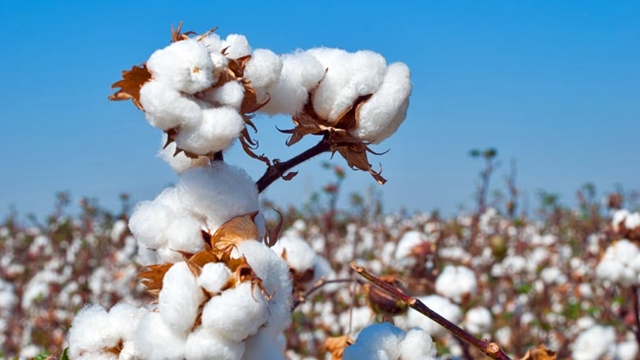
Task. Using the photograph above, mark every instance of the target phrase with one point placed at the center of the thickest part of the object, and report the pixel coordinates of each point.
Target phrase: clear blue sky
(554, 85)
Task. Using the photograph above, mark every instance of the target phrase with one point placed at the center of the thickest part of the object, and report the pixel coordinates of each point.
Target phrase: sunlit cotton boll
(149, 222)
(205, 343)
(442, 306)
(263, 70)
(183, 66)
(376, 342)
(478, 320)
(230, 94)
(218, 127)
(296, 252)
(91, 331)
(618, 263)
(595, 343)
(217, 193)
(154, 339)
(166, 108)
(180, 298)
(417, 345)
(184, 234)
(300, 73)
(179, 162)
(382, 114)
(213, 277)
(455, 282)
(237, 46)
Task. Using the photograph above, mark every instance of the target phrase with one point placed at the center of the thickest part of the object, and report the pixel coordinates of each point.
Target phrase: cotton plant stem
(278, 169)
(636, 312)
(488, 348)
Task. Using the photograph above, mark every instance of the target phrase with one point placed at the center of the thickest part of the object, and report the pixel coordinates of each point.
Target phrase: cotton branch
(278, 169)
(490, 349)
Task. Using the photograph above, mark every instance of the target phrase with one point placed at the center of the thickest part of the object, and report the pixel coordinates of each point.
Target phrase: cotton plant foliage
(221, 288)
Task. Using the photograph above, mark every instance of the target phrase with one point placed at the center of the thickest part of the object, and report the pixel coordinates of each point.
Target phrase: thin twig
(278, 169)
(636, 312)
(488, 348)
(319, 284)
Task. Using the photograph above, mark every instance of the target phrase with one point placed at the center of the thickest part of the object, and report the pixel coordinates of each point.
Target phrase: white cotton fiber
(213, 277)
(149, 222)
(217, 193)
(263, 70)
(417, 345)
(91, 331)
(166, 108)
(478, 320)
(230, 94)
(237, 312)
(155, 340)
(455, 282)
(348, 77)
(237, 46)
(442, 306)
(218, 127)
(376, 341)
(408, 242)
(264, 345)
(276, 281)
(212, 43)
(184, 66)
(179, 162)
(125, 318)
(383, 113)
(296, 252)
(179, 298)
(300, 73)
(204, 344)
(169, 198)
(184, 234)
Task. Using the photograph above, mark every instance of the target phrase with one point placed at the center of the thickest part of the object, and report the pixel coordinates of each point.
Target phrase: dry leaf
(130, 85)
(336, 345)
(540, 353)
(237, 229)
(152, 275)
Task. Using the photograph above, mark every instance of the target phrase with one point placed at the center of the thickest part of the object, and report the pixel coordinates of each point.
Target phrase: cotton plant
(221, 283)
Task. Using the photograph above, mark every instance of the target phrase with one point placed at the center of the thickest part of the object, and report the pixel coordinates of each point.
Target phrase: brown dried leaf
(290, 175)
(336, 345)
(130, 85)
(272, 235)
(152, 275)
(540, 353)
(237, 229)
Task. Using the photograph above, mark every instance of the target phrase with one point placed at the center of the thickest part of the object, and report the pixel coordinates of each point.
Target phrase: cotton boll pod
(230, 94)
(237, 46)
(215, 132)
(184, 66)
(166, 108)
(154, 339)
(179, 162)
(381, 115)
(300, 73)
(184, 234)
(263, 70)
(381, 302)
(217, 193)
(206, 343)
(180, 298)
(237, 312)
(91, 332)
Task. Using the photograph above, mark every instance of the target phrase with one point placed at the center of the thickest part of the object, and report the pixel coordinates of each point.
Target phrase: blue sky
(553, 85)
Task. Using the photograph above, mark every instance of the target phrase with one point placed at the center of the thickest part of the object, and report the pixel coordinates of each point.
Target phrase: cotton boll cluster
(597, 342)
(626, 224)
(456, 282)
(384, 341)
(620, 264)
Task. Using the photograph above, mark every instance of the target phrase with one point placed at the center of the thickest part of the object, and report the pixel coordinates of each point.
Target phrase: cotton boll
(335, 79)
(179, 298)
(218, 127)
(155, 340)
(220, 65)
(383, 113)
(184, 66)
(632, 221)
(230, 94)
(300, 73)
(91, 331)
(478, 320)
(125, 318)
(166, 108)
(185, 234)
(217, 193)
(376, 341)
(276, 281)
(440, 305)
(212, 43)
(296, 252)
(237, 312)
(597, 342)
(408, 242)
(237, 46)
(619, 218)
(627, 350)
(149, 222)
(455, 282)
(417, 345)
(179, 162)
(206, 343)
(169, 198)
(213, 277)
(263, 70)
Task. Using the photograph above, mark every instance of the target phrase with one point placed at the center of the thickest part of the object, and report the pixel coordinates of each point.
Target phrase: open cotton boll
(455, 282)
(169, 198)
(348, 77)
(237, 46)
(217, 193)
(125, 318)
(212, 43)
(218, 127)
(183, 66)
(149, 222)
(155, 340)
(230, 94)
(597, 342)
(263, 345)
(276, 281)
(300, 73)
(237, 312)
(382, 114)
(213, 277)
(478, 320)
(263, 70)
(442, 306)
(179, 162)
(91, 332)
(185, 234)
(204, 344)
(417, 345)
(378, 341)
(180, 298)
(166, 108)
(408, 242)
(296, 252)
